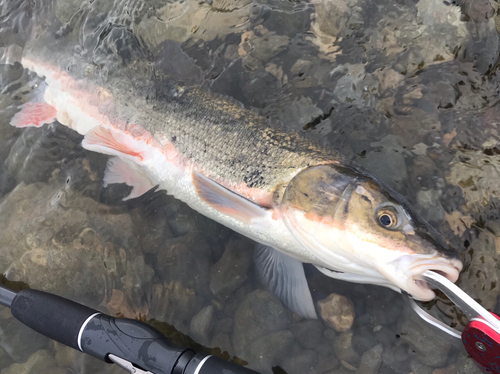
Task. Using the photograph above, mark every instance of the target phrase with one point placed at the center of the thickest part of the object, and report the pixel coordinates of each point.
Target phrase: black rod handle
(51, 315)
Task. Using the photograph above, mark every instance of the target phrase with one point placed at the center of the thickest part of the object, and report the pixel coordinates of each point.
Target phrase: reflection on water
(407, 89)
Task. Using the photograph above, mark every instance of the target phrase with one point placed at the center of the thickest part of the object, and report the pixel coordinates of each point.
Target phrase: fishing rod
(133, 345)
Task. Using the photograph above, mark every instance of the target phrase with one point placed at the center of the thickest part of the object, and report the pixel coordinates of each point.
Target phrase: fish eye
(387, 217)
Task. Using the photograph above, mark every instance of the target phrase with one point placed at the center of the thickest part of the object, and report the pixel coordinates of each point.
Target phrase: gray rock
(342, 346)
(39, 362)
(222, 340)
(464, 365)
(327, 363)
(301, 362)
(185, 259)
(230, 271)
(396, 358)
(424, 344)
(308, 333)
(384, 306)
(371, 360)
(337, 311)
(202, 325)
(267, 351)
(260, 314)
(224, 325)
(419, 368)
(363, 339)
(385, 335)
(19, 341)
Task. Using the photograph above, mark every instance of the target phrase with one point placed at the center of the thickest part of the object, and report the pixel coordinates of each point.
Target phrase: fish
(302, 203)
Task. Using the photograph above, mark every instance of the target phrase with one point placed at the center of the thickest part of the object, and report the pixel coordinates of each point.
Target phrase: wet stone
(342, 346)
(13, 338)
(396, 358)
(222, 340)
(371, 360)
(185, 259)
(259, 314)
(301, 362)
(41, 361)
(384, 305)
(337, 311)
(419, 368)
(363, 339)
(230, 271)
(308, 333)
(202, 325)
(267, 351)
(424, 344)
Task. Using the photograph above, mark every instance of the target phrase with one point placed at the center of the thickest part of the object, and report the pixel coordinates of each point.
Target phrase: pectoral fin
(284, 276)
(226, 201)
(120, 171)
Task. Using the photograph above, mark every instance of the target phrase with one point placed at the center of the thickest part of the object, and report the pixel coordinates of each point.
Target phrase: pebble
(337, 311)
(222, 340)
(202, 325)
(342, 346)
(371, 360)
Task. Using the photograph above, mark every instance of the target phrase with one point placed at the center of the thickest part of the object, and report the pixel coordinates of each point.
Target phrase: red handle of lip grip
(483, 345)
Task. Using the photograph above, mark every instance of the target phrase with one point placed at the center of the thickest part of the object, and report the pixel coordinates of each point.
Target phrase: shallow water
(407, 89)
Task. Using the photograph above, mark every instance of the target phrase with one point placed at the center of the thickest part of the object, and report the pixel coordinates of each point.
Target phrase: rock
(396, 358)
(175, 304)
(424, 344)
(260, 314)
(224, 325)
(301, 362)
(13, 338)
(267, 351)
(307, 333)
(385, 335)
(222, 340)
(337, 311)
(363, 339)
(39, 362)
(342, 346)
(327, 363)
(186, 260)
(202, 325)
(464, 365)
(371, 360)
(62, 242)
(419, 368)
(230, 271)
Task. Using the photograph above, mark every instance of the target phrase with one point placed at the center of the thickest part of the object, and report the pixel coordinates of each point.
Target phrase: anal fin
(34, 114)
(284, 276)
(226, 201)
(121, 171)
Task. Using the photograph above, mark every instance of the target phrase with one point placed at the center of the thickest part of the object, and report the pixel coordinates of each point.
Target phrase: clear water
(407, 89)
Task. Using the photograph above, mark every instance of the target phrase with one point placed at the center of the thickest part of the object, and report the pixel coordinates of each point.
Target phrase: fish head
(363, 231)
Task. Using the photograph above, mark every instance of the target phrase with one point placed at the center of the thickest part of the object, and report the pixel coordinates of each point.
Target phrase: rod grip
(51, 315)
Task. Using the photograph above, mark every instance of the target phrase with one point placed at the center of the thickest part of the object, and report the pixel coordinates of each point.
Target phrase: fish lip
(407, 271)
(419, 289)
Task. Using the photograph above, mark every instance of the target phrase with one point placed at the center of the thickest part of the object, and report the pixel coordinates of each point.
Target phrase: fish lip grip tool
(481, 336)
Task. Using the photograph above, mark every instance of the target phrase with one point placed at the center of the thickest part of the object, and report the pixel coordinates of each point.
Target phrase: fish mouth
(412, 281)
(418, 288)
